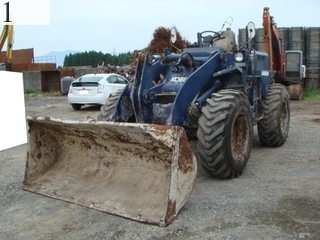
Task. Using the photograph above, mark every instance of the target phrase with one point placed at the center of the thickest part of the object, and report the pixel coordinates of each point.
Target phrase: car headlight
(238, 57)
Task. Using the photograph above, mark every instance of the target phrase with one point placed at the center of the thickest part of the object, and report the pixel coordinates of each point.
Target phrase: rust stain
(239, 136)
(185, 161)
(171, 212)
(161, 129)
(38, 144)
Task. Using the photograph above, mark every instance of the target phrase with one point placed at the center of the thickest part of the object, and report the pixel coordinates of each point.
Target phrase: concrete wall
(32, 80)
(78, 72)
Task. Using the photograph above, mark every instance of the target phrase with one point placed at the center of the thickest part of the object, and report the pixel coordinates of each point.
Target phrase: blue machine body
(172, 88)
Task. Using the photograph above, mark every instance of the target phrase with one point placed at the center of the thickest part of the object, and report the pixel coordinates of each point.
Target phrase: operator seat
(227, 40)
(207, 41)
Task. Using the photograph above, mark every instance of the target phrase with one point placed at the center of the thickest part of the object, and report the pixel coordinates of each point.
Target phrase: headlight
(238, 57)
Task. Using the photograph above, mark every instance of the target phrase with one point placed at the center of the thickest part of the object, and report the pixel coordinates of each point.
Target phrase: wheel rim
(240, 136)
(284, 117)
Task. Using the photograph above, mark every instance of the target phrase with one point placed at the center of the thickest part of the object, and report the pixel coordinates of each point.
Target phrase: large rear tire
(107, 109)
(273, 129)
(225, 134)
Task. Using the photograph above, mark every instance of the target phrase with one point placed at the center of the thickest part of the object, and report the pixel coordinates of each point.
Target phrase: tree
(161, 40)
(93, 58)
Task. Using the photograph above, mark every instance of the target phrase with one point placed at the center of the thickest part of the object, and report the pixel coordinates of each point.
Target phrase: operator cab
(225, 39)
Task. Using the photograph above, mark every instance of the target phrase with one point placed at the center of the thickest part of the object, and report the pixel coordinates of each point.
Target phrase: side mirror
(251, 30)
(173, 38)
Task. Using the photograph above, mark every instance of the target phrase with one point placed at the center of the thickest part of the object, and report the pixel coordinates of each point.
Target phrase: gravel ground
(277, 196)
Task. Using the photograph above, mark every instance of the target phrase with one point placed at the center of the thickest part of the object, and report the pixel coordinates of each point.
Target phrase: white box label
(13, 126)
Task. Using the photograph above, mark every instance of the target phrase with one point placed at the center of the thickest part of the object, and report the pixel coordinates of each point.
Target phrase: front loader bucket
(144, 172)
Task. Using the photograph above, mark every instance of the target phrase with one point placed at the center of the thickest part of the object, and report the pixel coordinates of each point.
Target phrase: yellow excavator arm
(7, 35)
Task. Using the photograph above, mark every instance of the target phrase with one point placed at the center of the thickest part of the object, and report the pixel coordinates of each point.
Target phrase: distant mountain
(54, 57)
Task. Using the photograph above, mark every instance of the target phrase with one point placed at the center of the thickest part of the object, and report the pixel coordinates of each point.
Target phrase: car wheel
(76, 106)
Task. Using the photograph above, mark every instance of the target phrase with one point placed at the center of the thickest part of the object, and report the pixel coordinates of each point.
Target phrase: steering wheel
(215, 34)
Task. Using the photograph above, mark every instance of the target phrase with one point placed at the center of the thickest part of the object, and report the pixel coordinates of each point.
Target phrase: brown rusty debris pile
(161, 40)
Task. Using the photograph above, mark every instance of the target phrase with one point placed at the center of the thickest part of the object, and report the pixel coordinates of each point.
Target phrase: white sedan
(94, 89)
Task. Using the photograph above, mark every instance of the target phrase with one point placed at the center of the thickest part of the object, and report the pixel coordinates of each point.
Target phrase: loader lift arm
(7, 35)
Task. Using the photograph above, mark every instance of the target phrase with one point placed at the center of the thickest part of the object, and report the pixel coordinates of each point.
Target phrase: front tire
(273, 129)
(225, 134)
(107, 109)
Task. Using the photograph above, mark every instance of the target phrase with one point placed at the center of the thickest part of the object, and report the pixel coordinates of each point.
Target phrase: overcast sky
(126, 25)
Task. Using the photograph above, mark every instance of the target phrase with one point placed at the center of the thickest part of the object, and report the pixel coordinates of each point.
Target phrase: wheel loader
(135, 160)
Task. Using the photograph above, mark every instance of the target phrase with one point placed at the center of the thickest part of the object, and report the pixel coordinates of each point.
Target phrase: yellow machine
(7, 36)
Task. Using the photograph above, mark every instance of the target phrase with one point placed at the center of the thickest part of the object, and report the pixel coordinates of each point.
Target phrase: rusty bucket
(143, 172)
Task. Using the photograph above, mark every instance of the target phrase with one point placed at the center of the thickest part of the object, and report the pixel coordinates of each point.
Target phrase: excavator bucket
(295, 91)
(143, 172)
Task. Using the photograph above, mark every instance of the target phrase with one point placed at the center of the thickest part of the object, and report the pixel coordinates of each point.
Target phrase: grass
(312, 95)
(38, 92)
